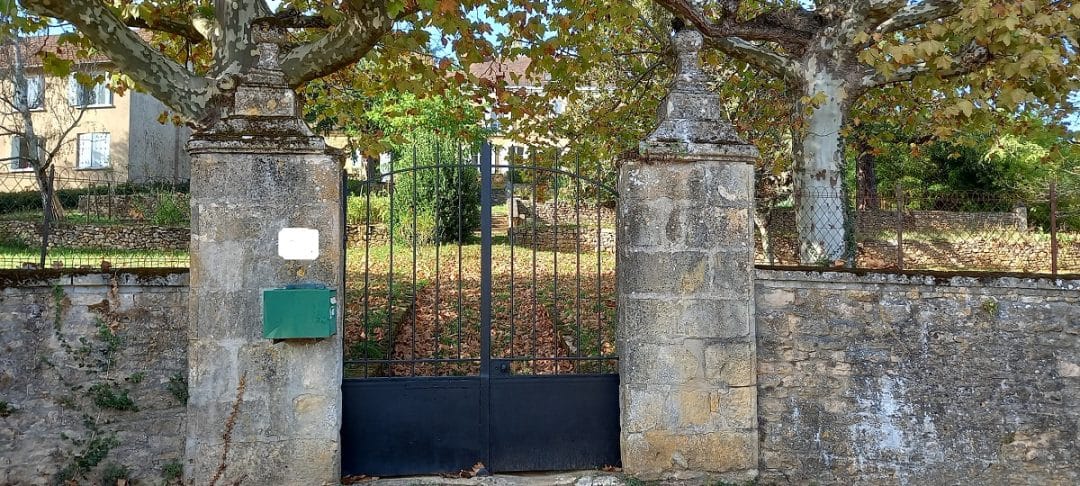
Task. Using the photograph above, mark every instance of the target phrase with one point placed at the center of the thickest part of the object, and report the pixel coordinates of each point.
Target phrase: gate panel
(402, 426)
(480, 318)
(567, 420)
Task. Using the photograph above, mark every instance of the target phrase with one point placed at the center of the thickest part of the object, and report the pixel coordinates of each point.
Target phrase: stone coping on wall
(918, 277)
(154, 277)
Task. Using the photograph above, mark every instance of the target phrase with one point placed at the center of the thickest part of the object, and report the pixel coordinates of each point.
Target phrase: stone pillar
(686, 327)
(260, 412)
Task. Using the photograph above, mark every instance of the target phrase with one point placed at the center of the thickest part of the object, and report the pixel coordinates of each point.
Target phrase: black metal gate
(467, 347)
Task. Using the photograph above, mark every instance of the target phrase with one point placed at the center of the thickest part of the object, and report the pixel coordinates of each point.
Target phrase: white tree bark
(820, 214)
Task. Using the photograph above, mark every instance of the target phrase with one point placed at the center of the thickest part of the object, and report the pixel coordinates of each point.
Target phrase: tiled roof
(514, 72)
(33, 47)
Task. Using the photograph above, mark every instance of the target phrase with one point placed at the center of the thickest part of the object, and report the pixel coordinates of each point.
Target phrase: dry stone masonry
(269, 412)
(110, 236)
(686, 336)
(892, 379)
(92, 375)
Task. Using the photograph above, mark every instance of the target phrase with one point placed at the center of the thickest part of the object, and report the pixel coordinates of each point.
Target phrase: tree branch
(795, 27)
(291, 18)
(185, 30)
(344, 44)
(231, 34)
(919, 13)
(973, 58)
(166, 80)
(871, 13)
(760, 56)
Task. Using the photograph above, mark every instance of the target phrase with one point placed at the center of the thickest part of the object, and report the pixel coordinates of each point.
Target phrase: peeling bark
(820, 215)
(341, 46)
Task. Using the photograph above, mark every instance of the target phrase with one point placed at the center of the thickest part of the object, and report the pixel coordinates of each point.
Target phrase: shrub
(178, 388)
(113, 473)
(357, 208)
(443, 196)
(170, 211)
(172, 471)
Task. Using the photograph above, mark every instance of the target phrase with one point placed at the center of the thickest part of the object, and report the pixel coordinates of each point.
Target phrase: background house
(507, 148)
(118, 138)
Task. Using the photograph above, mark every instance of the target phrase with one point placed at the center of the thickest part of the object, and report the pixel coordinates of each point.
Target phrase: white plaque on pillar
(298, 243)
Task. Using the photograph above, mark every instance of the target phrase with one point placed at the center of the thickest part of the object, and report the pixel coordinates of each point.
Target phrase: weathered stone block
(642, 407)
(711, 318)
(717, 228)
(666, 365)
(658, 454)
(731, 274)
(650, 224)
(648, 320)
(679, 273)
(730, 364)
(733, 183)
(773, 299)
(734, 408)
(228, 314)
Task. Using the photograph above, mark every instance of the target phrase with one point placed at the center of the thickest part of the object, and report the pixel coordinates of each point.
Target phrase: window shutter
(15, 160)
(86, 150)
(35, 92)
(73, 91)
(102, 95)
(101, 150)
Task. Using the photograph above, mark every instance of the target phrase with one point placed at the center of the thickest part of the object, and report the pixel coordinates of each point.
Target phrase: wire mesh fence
(91, 220)
(922, 230)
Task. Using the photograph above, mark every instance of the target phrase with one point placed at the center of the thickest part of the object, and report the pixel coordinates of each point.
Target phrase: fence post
(899, 227)
(1053, 229)
(46, 220)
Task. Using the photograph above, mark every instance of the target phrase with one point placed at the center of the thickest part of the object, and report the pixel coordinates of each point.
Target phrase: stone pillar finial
(262, 101)
(690, 119)
(269, 39)
(689, 77)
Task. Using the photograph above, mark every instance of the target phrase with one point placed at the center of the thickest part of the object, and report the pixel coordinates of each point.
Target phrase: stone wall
(91, 363)
(889, 379)
(564, 238)
(376, 234)
(111, 236)
(569, 213)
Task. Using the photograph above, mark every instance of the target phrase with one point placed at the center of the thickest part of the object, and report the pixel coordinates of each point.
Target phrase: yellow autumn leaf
(966, 107)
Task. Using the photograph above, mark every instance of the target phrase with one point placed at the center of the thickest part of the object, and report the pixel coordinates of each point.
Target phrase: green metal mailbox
(299, 313)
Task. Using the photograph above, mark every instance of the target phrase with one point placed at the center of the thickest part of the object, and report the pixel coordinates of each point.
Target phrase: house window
(20, 152)
(93, 150)
(35, 91)
(94, 95)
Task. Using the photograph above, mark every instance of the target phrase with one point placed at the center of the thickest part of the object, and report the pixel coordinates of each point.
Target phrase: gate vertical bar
(899, 227)
(1053, 230)
(485, 301)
